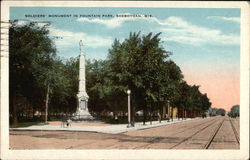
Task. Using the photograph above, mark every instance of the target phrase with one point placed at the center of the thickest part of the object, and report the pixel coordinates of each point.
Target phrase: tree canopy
(141, 64)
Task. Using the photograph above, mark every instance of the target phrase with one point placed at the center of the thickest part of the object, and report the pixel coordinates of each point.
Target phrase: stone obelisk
(82, 112)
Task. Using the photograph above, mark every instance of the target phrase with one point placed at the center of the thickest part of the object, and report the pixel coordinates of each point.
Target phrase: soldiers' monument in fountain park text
(82, 112)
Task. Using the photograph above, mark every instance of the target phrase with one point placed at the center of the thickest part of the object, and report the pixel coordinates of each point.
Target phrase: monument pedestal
(82, 112)
(83, 116)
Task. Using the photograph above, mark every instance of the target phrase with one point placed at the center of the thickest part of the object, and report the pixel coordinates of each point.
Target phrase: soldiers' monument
(82, 112)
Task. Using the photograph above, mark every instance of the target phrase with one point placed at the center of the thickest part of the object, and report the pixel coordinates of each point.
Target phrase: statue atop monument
(82, 112)
(81, 46)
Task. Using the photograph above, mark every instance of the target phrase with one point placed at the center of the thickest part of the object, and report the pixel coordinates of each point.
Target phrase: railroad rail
(187, 138)
(200, 124)
(213, 135)
(217, 130)
(235, 132)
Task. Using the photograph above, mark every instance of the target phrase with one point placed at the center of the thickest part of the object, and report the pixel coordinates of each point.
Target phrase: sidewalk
(111, 129)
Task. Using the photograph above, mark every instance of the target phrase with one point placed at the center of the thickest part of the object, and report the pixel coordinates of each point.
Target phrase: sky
(205, 42)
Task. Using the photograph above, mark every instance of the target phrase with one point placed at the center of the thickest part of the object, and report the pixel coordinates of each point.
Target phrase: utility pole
(129, 110)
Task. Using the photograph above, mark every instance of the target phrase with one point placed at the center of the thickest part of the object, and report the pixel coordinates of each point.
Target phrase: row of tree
(216, 112)
(141, 64)
(41, 81)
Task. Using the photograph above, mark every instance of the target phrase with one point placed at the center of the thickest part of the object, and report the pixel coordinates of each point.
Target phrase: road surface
(209, 133)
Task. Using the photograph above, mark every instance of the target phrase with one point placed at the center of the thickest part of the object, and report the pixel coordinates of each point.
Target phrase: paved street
(192, 134)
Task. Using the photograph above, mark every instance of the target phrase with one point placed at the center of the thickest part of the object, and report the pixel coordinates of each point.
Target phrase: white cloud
(181, 31)
(36, 22)
(110, 23)
(232, 19)
(176, 29)
(70, 39)
(113, 22)
(118, 21)
(22, 23)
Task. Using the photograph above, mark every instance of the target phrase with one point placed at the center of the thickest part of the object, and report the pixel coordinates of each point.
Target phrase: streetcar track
(194, 126)
(187, 138)
(213, 135)
(152, 142)
(235, 132)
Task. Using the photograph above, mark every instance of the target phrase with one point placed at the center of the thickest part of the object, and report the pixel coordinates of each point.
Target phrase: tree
(205, 103)
(31, 50)
(100, 91)
(140, 64)
(235, 111)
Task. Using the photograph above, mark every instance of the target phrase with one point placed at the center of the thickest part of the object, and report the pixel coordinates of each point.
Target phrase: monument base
(83, 116)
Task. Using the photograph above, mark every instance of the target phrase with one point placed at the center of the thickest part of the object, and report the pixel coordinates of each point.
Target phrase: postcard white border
(134, 154)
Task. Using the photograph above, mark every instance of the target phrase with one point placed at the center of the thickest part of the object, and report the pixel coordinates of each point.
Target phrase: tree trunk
(133, 111)
(144, 116)
(14, 111)
(150, 117)
(185, 112)
(151, 112)
(182, 113)
(46, 105)
(172, 113)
